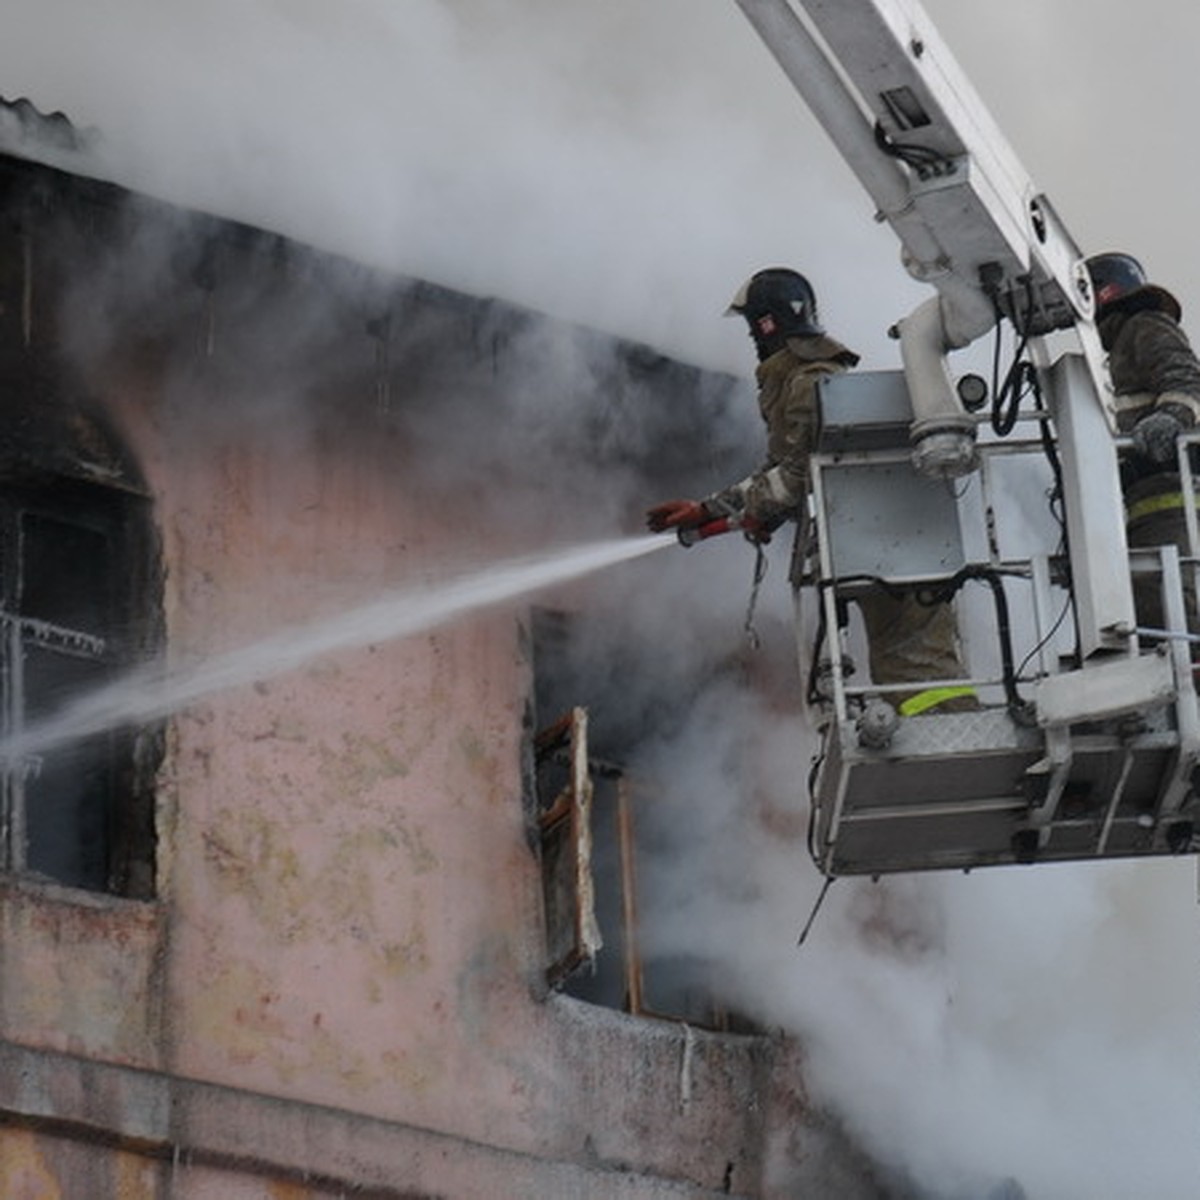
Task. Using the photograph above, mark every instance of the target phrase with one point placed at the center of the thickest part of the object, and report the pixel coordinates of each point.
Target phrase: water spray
(153, 691)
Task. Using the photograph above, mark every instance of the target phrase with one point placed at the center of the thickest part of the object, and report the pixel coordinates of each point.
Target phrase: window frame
(567, 820)
(122, 762)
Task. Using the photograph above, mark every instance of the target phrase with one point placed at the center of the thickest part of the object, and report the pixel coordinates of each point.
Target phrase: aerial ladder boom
(1097, 758)
(907, 121)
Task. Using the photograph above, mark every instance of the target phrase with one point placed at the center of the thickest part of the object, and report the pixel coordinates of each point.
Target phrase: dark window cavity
(76, 611)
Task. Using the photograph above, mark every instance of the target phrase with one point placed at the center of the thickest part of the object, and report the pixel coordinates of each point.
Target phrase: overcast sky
(626, 164)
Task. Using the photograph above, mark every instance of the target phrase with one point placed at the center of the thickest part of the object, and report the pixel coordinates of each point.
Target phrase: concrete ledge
(188, 1121)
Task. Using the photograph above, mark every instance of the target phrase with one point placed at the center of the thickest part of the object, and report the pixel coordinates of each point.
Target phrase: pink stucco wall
(356, 914)
(340, 984)
(346, 844)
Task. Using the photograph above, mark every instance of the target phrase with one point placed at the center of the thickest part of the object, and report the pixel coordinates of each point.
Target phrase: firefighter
(909, 641)
(1156, 381)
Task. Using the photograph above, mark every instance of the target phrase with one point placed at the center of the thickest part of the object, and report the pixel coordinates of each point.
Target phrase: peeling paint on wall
(24, 1172)
(80, 972)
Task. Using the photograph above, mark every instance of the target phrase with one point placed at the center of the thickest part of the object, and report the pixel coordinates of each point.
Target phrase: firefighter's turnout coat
(1152, 365)
(909, 642)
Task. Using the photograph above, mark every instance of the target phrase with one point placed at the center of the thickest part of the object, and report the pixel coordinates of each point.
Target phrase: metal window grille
(57, 614)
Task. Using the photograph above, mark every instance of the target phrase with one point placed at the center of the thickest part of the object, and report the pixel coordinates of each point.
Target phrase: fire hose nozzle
(755, 530)
(698, 533)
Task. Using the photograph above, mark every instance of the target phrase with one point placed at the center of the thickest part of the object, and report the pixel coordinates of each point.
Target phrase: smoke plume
(625, 166)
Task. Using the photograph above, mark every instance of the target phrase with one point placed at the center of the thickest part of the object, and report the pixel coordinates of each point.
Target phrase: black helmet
(777, 303)
(1120, 280)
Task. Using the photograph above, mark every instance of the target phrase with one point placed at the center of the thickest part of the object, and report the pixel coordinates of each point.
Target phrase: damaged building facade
(326, 932)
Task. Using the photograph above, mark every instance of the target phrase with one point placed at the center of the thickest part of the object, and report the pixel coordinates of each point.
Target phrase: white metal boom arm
(887, 90)
(879, 78)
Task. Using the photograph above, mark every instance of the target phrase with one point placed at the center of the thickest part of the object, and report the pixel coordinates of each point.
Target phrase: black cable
(1050, 450)
(941, 593)
(814, 697)
(1021, 377)
(760, 573)
(814, 770)
(1019, 709)
(1020, 381)
(1066, 608)
(907, 152)
(895, 590)
(812, 916)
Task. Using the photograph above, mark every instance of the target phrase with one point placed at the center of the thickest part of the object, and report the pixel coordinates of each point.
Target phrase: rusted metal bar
(629, 910)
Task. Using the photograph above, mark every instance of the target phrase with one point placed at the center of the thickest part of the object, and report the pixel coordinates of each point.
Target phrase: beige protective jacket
(787, 399)
(1151, 361)
(909, 641)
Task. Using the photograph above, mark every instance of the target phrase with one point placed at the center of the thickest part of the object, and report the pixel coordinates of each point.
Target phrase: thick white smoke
(625, 165)
(1030, 1024)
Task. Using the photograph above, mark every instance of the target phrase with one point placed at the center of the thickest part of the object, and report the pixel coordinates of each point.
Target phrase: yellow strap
(1155, 504)
(931, 698)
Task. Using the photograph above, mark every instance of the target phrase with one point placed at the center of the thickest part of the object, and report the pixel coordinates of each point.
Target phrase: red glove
(676, 514)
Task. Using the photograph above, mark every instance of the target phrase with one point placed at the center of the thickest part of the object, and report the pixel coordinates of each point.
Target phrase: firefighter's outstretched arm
(697, 520)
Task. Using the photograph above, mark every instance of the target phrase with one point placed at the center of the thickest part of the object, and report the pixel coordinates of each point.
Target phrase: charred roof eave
(46, 434)
(85, 228)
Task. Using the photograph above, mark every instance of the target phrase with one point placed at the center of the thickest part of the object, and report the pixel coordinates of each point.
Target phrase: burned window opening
(592, 847)
(80, 573)
(78, 605)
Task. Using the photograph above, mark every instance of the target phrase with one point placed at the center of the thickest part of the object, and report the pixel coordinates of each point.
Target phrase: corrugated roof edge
(27, 132)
